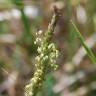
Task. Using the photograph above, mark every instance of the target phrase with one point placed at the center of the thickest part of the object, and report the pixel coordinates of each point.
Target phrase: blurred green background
(19, 22)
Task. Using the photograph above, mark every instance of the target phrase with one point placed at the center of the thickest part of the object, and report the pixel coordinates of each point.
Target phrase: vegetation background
(20, 20)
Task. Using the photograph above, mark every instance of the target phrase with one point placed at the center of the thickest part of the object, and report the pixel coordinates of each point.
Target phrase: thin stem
(27, 32)
(88, 50)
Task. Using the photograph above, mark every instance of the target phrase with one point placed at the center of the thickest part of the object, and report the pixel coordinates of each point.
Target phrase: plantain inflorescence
(46, 59)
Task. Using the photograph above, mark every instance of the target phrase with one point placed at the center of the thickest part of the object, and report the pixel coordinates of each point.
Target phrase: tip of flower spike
(57, 10)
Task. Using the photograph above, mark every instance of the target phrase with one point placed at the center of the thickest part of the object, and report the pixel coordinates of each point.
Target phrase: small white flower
(35, 42)
(57, 53)
(40, 71)
(30, 93)
(40, 32)
(37, 58)
(39, 50)
(45, 58)
(36, 74)
(36, 33)
(53, 55)
(34, 80)
(53, 61)
(55, 67)
(44, 48)
(51, 46)
(42, 55)
(38, 39)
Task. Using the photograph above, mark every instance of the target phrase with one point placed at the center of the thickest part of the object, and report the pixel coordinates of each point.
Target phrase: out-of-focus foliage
(19, 22)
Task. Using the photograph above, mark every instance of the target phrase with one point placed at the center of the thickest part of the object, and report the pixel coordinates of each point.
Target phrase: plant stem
(88, 50)
(19, 4)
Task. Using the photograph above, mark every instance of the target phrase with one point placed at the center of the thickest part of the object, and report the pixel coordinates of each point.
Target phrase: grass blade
(88, 50)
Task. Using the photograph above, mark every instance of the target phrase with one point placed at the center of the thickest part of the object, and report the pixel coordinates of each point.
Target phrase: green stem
(25, 23)
(88, 50)
(19, 4)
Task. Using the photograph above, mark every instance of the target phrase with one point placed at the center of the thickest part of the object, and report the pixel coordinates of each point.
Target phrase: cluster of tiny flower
(48, 55)
(46, 59)
(36, 83)
(38, 39)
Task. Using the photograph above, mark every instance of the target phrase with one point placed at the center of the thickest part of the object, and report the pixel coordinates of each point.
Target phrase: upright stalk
(46, 58)
(88, 50)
